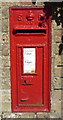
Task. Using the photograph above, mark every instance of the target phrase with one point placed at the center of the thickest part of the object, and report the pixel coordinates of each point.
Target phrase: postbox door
(30, 75)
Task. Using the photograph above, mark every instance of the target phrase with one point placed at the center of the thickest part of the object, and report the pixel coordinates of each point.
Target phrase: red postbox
(30, 53)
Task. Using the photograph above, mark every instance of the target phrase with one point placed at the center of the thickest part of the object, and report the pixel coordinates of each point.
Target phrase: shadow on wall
(57, 15)
(57, 11)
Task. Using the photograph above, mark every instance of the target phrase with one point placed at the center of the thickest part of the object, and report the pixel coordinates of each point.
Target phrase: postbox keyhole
(25, 81)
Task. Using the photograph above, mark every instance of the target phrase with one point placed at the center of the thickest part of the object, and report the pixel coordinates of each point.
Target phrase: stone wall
(57, 62)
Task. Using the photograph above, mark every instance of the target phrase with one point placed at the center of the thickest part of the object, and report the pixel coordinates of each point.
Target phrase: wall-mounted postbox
(30, 53)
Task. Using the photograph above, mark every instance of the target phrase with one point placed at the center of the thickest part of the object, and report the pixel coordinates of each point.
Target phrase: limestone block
(6, 72)
(0, 72)
(18, 3)
(0, 47)
(5, 49)
(1, 106)
(6, 98)
(5, 84)
(39, 3)
(5, 25)
(6, 106)
(62, 94)
(57, 83)
(28, 115)
(56, 48)
(5, 92)
(0, 27)
(11, 115)
(56, 107)
(5, 38)
(18, 115)
(0, 61)
(5, 61)
(56, 103)
(55, 115)
(43, 115)
(0, 115)
(5, 12)
(56, 96)
(58, 72)
(57, 36)
(58, 61)
(0, 3)
(0, 53)
(0, 13)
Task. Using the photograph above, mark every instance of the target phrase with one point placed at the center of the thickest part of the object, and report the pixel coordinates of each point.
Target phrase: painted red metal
(30, 27)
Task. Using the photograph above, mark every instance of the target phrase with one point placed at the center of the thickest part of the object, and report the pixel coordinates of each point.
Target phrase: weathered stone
(0, 53)
(0, 47)
(57, 36)
(5, 25)
(5, 98)
(56, 103)
(5, 92)
(57, 83)
(6, 72)
(5, 38)
(55, 115)
(7, 115)
(5, 84)
(17, 115)
(0, 14)
(5, 61)
(0, 61)
(58, 61)
(56, 96)
(18, 3)
(5, 49)
(39, 3)
(43, 115)
(28, 115)
(11, 115)
(6, 106)
(5, 12)
(0, 106)
(0, 3)
(0, 27)
(56, 48)
(0, 72)
(0, 115)
(62, 104)
(62, 94)
(56, 107)
(58, 72)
